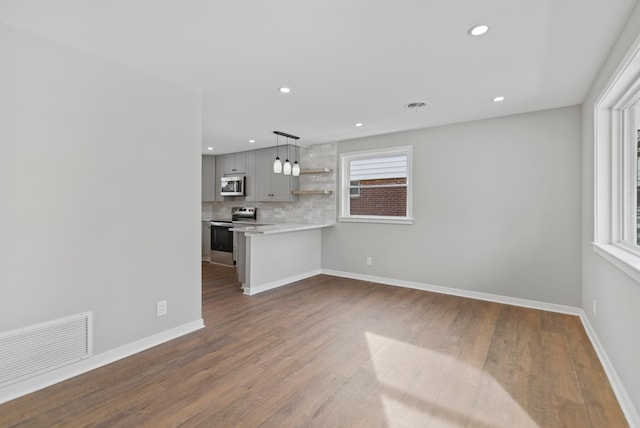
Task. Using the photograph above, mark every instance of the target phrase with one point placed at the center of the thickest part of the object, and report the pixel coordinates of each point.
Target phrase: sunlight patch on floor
(421, 387)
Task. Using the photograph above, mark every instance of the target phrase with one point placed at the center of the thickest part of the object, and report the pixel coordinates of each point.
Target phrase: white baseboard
(253, 290)
(619, 390)
(629, 410)
(42, 381)
(552, 307)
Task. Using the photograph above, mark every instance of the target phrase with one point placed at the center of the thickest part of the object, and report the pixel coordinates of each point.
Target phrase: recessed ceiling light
(358, 124)
(285, 90)
(498, 99)
(209, 148)
(478, 30)
(252, 141)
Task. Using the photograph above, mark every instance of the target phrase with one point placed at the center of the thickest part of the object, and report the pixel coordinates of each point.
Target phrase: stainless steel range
(222, 238)
(249, 214)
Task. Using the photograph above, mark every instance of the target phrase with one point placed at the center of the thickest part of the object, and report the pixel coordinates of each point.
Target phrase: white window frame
(345, 193)
(615, 158)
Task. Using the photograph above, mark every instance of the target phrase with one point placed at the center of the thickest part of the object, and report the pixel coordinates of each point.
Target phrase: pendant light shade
(295, 171)
(277, 166)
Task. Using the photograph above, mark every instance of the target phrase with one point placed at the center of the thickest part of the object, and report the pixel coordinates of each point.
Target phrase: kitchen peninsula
(274, 255)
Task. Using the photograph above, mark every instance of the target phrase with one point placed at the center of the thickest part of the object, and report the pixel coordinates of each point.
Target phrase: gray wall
(618, 297)
(496, 209)
(99, 192)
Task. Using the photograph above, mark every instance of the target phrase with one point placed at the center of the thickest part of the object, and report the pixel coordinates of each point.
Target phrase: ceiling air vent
(415, 106)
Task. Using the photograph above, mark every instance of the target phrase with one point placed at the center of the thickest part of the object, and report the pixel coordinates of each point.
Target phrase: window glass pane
(378, 186)
(637, 145)
(383, 198)
(383, 167)
(629, 214)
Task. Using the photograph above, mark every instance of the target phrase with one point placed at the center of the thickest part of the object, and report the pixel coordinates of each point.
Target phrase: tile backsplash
(308, 208)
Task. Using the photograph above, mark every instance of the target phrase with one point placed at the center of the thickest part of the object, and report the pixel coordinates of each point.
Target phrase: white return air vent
(37, 349)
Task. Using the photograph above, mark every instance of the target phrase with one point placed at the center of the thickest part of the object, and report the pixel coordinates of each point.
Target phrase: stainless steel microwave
(232, 186)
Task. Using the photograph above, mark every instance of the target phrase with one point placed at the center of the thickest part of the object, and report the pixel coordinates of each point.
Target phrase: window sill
(390, 220)
(626, 261)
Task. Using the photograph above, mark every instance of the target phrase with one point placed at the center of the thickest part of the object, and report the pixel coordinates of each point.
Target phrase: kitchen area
(267, 225)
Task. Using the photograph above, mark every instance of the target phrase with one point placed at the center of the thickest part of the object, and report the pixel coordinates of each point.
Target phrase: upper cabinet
(234, 163)
(241, 163)
(208, 178)
(250, 180)
(261, 184)
(270, 186)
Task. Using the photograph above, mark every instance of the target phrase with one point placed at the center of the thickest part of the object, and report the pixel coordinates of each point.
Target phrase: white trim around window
(345, 185)
(615, 167)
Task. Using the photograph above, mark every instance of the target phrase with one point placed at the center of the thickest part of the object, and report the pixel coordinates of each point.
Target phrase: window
(617, 168)
(376, 186)
(628, 175)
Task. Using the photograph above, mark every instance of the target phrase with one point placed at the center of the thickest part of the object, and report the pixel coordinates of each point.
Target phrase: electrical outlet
(369, 260)
(161, 308)
(595, 308)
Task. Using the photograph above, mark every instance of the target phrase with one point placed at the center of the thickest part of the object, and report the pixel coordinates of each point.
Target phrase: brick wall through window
(382, 201)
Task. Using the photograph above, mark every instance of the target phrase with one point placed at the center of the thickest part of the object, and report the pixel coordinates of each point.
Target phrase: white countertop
(237, 222)
(278, 228)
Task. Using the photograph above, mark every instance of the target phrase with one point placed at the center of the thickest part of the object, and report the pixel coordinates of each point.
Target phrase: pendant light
(286, 169)
(295, 170)
(277, 165)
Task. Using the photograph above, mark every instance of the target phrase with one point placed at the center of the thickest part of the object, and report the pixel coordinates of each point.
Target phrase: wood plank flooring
(334, 352)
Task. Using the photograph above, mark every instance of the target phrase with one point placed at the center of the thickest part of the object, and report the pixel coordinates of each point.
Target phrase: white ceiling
(346, 61)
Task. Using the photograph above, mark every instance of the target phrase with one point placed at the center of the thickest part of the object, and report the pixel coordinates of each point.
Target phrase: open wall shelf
(317, 191)
(316, 171)
(311, 192)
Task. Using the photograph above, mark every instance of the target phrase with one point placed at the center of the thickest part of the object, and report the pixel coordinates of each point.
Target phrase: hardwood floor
(333, 352)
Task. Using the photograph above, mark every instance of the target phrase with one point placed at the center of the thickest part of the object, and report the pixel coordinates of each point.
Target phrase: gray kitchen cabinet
(208, 178)
(234, 163)
(250, 180)
(262, 179)
(219, 173)
(270, 186)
